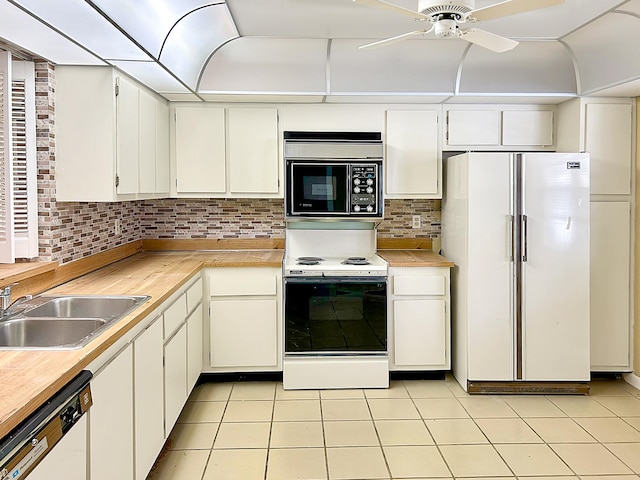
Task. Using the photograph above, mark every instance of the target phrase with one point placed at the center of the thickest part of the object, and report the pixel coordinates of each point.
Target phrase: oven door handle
(338, 280)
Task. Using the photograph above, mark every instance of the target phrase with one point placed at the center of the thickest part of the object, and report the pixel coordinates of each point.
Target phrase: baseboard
(632, 379)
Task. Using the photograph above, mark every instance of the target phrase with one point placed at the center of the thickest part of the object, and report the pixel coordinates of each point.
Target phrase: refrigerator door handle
(512, 241)
(524, 238)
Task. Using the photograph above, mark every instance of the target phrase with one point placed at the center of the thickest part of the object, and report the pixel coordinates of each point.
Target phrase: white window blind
(18, 176)
(24, 174)
(6, 227)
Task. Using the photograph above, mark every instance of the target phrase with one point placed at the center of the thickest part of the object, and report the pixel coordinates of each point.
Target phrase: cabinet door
(527, 128)
(467, 128)
(127, 137)
(253, 150)
(419, 332)
(68, 460)
(175, 377)
(244, 333)
(200, 150)
(163, 174)
(147, 143)
(111, 420)
(194, 347)
(608, 139)
(610, 277)
(148, 389)
(412, 161)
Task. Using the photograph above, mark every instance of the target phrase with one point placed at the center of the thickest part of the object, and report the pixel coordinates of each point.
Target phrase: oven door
(317, 188)
(335, 315)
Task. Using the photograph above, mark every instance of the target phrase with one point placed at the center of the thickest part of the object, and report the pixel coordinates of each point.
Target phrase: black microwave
(329, 177)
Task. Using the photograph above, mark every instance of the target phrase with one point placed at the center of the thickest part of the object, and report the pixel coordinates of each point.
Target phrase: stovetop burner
(355, 261)
(309, 260)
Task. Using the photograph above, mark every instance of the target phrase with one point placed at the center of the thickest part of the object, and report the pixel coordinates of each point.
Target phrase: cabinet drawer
(174, 316)
(244, 285)
(418, 285)
(194, 295)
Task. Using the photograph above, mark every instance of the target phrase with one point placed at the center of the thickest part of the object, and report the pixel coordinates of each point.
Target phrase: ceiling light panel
(78, 20)
(532, 68)
(267, 65)
(414, 66)
(606, 51)
(149, 21)
(152, 75)
(20, 28)
(194, 39)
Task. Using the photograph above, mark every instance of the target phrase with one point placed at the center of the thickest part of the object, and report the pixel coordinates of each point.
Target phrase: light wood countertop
(414, 258)
(29, 377)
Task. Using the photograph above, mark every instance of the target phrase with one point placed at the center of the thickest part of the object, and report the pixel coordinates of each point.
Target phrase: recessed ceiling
(215, 50)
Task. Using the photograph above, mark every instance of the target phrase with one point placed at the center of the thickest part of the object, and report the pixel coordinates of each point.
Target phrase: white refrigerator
(517, 228)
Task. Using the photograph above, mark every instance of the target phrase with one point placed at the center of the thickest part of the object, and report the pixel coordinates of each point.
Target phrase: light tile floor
(417, 429)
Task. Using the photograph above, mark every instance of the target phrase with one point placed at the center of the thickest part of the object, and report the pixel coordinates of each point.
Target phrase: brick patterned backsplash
(397, 219)
(212, 218)
(73, 230)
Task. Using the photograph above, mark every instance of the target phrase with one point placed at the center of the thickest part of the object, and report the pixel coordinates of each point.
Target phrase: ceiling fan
(446, 16)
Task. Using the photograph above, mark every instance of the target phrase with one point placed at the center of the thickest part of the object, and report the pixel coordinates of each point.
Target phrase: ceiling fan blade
(488, 40)
(392, 8)
(389, 41)
(511, 7)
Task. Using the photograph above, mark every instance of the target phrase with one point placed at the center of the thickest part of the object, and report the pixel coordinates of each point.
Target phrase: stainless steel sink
(80, 306)
(63, 322)
(46, 332)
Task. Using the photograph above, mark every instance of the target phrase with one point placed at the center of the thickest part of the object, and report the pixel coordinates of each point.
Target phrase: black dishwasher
(31, 441)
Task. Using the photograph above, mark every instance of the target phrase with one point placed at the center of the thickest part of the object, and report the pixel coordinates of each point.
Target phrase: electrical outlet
(118, 226)
(415, 221)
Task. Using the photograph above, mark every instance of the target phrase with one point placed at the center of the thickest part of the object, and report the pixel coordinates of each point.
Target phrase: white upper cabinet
(227, 152)
(495, 127)
(253, 150)
(146, 143)
(106, 132)
(603, 127)
(608, 139)
(200, 150)
(473, 127)
(413, 163)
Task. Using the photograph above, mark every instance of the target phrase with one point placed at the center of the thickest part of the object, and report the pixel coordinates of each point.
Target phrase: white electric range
(335, 307)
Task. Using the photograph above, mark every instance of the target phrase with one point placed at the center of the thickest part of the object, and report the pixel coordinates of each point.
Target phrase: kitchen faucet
(6, 306)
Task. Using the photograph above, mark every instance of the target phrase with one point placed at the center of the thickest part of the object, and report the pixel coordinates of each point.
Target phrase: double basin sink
(63, 322)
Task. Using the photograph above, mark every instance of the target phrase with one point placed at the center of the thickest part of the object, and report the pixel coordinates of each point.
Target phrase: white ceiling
(306, 50)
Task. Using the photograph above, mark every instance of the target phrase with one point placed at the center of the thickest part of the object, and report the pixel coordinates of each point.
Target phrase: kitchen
(62, 222)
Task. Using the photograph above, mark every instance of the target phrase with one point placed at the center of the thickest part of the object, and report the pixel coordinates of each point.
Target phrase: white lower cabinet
(148, 388)
(175, 377)
(194, 346)
(111, 419)
(610, 286)
(68, 459)
(139, 392)
(245, 311)
(419, 318)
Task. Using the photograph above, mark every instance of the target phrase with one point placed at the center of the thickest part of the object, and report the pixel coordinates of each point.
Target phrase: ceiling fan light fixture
(446, 28)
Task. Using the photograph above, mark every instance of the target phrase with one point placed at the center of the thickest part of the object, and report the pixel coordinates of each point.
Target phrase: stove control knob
(356, 181)
(369, 181)
(356, 208)
(369, 208)
(356, 190)
(369, 190)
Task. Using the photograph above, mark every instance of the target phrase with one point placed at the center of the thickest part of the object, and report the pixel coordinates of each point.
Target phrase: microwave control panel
(364, 188)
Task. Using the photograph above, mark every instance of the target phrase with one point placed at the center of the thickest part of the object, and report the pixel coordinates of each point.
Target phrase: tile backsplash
(72, 230)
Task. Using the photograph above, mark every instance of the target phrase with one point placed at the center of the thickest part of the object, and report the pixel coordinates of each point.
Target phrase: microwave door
(319, 189)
